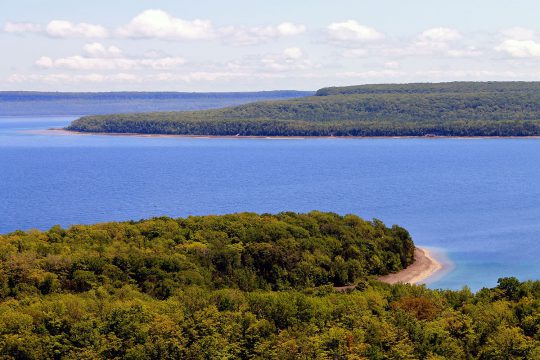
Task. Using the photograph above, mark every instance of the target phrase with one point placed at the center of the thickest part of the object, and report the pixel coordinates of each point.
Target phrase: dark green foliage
(245, 286)
(245, 251)
(446, 109)
(434, 88)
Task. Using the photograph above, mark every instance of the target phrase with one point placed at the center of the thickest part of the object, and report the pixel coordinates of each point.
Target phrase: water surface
(478, 200)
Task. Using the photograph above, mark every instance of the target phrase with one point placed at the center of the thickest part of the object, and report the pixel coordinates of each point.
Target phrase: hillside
(245, 286)
(445, 109)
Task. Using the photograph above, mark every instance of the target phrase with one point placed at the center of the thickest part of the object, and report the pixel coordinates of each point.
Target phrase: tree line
(447, 109)
(245, 286)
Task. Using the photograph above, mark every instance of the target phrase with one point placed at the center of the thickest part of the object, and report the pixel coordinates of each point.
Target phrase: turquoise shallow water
(476, 200)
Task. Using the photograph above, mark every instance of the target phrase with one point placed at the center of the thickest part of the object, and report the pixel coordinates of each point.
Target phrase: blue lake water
(478, 200)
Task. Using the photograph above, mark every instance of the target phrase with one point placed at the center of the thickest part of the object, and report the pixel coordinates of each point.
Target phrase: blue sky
(238, 45)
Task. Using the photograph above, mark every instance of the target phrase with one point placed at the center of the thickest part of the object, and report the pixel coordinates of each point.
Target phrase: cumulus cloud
(391, 65)
(58, 29)
(293, 53)
(469, 51)
(98, 57)
(351, 30)
(61, 78)
(78, 62)
(439, 34)
(292, 58)
(477, 74)
(370, 74)
(442, 41)
(520, 48)
(21, 27)
(241, 35)
(67, 29)
(438, 41)
(44, 62)
(519, 33)
(159, 24)
(121, 78)
(355, 53)
(289, 29)
(288, 60)
(195, 76)
(98, 50)
(519, 43)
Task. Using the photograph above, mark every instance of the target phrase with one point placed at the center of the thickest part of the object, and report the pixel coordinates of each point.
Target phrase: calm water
(478, 200)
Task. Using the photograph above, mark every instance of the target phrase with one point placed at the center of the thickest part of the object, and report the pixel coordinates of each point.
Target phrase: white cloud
(241, 35)
(98, 57)
(519, 33)
(388, 73)
(470, 51)
(355, 53)
(293, 53)
(45, 62)
(391, 65)
(159, 24)
(61, 78)
(477, 74)
(78, 62)
(290, 59)
(21, 27)
(416, 47)
(67, 29)
(441, 41)
(195, 76)
(520, 48)
(98, 50)
(158, 80)
(519, 43)
(439, 34)
(290, 29)
(351, 30)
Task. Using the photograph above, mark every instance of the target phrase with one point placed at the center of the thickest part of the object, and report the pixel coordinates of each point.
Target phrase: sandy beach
(424, 267)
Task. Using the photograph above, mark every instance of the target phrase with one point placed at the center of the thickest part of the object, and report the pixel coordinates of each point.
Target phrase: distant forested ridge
(245, 286)
(423, 109)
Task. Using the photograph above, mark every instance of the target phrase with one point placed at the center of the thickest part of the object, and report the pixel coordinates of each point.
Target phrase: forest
(425, 109)
(245, 286)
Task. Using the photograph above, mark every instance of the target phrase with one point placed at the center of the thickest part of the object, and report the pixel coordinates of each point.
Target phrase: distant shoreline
(424, 267)
(71, 132)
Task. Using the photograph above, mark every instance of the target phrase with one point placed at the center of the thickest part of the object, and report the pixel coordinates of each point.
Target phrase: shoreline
(424, 268)
(70, 132)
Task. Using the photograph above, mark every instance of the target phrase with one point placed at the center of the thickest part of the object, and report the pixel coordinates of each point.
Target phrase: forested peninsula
(421, 109)
(245, 286)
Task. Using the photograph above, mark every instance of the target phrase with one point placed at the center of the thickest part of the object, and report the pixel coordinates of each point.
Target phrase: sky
(240, 45)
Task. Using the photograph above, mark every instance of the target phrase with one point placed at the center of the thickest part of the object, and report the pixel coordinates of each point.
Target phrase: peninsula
(461, 109)
(424, 267)
(246, 286)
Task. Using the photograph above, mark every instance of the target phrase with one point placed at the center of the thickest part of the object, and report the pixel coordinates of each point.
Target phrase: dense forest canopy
(426, 88)
(245, 286)
(444, 109)
(245, 251)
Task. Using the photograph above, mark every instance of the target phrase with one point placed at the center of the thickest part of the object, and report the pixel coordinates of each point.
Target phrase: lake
(477, 201)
